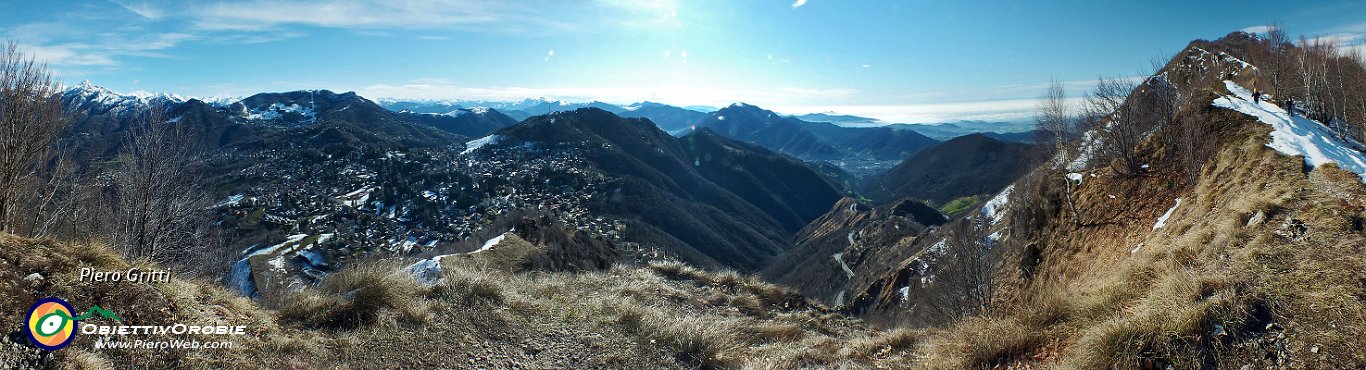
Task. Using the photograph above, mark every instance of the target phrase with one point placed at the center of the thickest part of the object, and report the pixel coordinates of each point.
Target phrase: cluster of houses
(405, 203)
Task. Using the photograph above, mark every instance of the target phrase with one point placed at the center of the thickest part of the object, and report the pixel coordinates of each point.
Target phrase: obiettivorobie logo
(51, 324)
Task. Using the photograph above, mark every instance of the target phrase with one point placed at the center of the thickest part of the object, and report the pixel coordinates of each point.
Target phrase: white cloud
(142, 8)
(1075, 87)
(996, 110)
(777, 60)
(1346, 42)
(1341, 39)
(102, 51)
(827, 93)
(682, 95)
(395, 14)
(102, 40)
(67, 55)
(273, 15)
(798, 3)
(1258, 29)
(643, 14)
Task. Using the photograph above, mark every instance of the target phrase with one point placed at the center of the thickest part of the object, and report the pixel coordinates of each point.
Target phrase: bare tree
(965, 275)
(1312, 68)
(1325, 80)
(49, 198)
(160, 210)
(1167, 105)
(1278, 46)
(1055, 122)
(1122, 126)
(31, 119)
(1356, 83)
(1192, 140)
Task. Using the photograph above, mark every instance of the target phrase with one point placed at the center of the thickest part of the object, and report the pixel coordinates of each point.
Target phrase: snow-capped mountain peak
(96, 97)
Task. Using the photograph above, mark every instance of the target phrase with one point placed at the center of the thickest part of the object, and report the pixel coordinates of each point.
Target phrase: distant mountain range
(674, 119)
(813, 140)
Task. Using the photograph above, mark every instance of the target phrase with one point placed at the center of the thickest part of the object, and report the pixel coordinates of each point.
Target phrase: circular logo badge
(51, 324)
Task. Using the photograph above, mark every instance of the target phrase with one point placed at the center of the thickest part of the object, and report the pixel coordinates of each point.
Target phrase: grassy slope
(661, 316)
(1208, 289)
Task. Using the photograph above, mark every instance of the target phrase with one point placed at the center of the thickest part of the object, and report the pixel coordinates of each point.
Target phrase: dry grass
(469, 287)
(882, 344)
(352, 298)
(82, 359)
(982, 342)
(1210, 289)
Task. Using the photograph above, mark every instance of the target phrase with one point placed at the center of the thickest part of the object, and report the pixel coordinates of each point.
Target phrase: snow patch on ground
(1162, 221)
(277, 263)
(1297, 135)
(993, 209)
(232, 200)
(938, 247)
(292, 239)
(428, 271)
(1090, 143)
(475, 144)
(1076, 177)
(277, 110)
(490, 243)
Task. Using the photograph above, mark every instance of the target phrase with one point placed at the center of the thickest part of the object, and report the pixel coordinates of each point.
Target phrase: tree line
(147, 202)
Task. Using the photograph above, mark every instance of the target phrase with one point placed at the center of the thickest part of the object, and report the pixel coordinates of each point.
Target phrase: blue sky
(901, 61)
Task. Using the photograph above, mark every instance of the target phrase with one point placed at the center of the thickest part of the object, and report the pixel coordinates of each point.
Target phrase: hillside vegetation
(374, 315)
(1198, 247)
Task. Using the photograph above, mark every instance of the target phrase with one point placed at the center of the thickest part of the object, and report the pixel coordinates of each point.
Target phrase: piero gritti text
(131, 275)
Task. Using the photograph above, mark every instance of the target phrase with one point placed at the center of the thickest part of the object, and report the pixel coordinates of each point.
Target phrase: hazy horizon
(903, 62)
